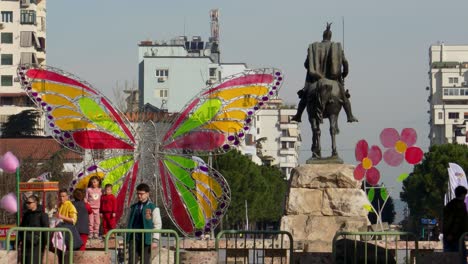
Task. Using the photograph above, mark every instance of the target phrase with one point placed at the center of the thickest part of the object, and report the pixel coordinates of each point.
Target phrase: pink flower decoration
(369, 158)
(399, 147)
(8, 203)
(9, 162)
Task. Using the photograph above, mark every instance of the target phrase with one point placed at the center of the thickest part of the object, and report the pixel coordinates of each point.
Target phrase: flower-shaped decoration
(369, 158)
(400, 146)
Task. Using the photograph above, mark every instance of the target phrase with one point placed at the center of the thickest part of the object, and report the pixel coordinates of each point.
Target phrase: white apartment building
(448, 76)
(22, 40)
(171, 73)
(277, 139)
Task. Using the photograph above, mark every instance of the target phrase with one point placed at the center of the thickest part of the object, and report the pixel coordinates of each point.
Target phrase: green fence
(374, 247)
(253, 247)
(38, 240)
(126, 248)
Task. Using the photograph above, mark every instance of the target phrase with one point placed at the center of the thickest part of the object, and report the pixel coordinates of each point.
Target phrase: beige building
(22, 40)
(448, 76)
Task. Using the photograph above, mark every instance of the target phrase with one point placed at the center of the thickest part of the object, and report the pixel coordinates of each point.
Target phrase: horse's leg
(333, 131)
(316, 149)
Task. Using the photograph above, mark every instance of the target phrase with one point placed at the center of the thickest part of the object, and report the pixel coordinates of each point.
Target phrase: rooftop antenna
(342, 21)
(184, 26)
(214, 15)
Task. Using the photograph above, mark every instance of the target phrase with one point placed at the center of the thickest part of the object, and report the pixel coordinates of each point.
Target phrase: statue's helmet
(327, 34)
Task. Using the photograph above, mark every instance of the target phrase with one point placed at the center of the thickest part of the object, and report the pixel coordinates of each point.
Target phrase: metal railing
(374, 247)
(129, 245)
(37, 241)
(254, 246)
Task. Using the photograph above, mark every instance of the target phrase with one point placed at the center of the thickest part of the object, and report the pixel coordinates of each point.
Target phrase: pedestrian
(455, 221)
(67, 216)
(143, 215)
(93, 197)
(83, 210)
(108, 209)
(33, 243)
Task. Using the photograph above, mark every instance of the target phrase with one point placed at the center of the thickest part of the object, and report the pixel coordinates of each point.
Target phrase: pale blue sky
(386, 43)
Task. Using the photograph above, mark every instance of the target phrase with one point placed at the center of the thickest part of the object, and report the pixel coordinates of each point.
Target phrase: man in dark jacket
(143, 215)
(33, 243)
(455, 221)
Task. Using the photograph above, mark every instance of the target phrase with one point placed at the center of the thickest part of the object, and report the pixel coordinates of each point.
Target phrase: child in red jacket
(108, 209)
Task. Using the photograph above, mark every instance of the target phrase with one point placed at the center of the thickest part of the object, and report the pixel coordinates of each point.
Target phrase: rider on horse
(325, 60)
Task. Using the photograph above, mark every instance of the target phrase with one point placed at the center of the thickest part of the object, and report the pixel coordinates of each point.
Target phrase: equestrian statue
(324, 94)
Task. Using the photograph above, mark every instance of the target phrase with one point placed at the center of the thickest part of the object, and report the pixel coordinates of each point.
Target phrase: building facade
(448, 99)
(172, 73)
(22, 40)
(277, 139)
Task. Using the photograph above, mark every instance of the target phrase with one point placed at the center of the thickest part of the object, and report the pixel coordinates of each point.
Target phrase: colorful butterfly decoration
(195, 195)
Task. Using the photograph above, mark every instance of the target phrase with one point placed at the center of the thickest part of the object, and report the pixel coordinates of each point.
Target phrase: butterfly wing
(79, 116)
(218, 117)
(83, 120)
(195, 195)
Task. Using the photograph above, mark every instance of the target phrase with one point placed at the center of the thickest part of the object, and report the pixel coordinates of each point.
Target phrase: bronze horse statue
(324, 101)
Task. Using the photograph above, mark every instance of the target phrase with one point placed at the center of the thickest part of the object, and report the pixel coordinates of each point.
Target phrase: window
(161, 93)
(258, 131)
(440, 115)
(162, 73)
(7, 80)
(453, 115)
(284, 145)
(465, 115)
(7, 38)
(7, 16)
(249, 140)
(453, 80)
(284, 133)
(212, 72)
(28, 58)
(291, 144)
(28, 17)
(6, 101)
(284, 119)
(7, 59)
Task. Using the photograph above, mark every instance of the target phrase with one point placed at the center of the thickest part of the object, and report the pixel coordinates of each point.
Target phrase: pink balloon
(9, 163)
(8, 203)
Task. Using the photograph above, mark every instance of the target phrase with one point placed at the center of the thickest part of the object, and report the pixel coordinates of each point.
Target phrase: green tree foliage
(263, 187)
(425, 188)
(23, 124)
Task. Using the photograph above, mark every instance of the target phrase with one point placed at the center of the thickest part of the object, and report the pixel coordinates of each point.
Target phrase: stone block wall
(323, 199)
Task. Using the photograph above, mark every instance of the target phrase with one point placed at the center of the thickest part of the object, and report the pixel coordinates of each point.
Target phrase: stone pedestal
(323, 199)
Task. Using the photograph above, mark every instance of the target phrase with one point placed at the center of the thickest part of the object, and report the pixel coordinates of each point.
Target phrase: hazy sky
(386, 44)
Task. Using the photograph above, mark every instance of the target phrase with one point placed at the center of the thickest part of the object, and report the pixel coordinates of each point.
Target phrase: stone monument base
(322, 200)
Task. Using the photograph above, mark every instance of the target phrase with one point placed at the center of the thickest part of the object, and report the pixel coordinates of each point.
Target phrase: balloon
(9, 163)
(8, 203)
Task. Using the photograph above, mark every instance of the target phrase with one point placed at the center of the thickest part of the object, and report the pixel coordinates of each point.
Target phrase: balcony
(289, 139)
(288, 151)
(455, 93)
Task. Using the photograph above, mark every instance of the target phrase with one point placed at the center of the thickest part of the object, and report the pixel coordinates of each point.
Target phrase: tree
(263, 187)
(425, 188)
(23, 124)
